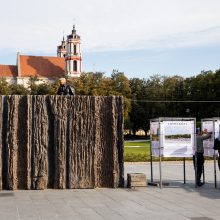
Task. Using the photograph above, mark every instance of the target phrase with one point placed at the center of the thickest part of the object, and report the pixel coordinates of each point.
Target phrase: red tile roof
(41, 66)
(8, 71)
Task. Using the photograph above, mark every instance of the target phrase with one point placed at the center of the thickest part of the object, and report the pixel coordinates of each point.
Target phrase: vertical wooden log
(3, 140)
(59, 106)
(120, 141)
(82, 148)
(23, 143)
(110, 148)
(96, 167)
(29, 141)
(100, 141)
(51, 144)
(11, 142)
(17, 144)
(71, 146)
(39, 143)
(105, 164)
(115, 170)
(70, 151)
(1, 116)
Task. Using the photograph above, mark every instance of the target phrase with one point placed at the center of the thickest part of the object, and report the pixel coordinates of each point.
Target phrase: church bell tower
(73, 55)
(61, 49)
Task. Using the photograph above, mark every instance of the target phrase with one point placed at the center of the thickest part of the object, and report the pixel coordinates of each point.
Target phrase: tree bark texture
(61, 142)
(1, 116)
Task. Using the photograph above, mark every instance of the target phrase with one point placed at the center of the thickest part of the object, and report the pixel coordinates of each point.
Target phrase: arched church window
(75, 65)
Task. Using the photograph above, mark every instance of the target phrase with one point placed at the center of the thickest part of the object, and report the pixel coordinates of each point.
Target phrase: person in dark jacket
(200, 137)
(217, 147)
(65, 89)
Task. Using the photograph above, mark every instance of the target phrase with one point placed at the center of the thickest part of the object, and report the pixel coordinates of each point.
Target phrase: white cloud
(109, 25)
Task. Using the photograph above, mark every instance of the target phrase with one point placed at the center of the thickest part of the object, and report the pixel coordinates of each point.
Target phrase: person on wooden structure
(65, 89)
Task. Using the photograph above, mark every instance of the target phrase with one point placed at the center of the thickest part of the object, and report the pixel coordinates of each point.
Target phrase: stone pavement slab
(176, 201)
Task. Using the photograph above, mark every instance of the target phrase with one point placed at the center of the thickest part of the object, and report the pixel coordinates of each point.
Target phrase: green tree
(18, 90)
(89, 84)
(54, 87)
(4, 87)
(32, 85)
(120, 86)
(43, 89)
(139, 108)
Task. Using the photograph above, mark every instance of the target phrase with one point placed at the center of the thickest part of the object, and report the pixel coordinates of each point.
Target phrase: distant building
(47, 69)
(71, 51)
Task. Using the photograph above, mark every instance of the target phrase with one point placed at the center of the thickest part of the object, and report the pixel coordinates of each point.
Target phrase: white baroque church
(67, 63)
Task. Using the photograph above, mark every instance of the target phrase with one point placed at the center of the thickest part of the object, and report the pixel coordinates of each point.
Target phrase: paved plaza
(176, 201)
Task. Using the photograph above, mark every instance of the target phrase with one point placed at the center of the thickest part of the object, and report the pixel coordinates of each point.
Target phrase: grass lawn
(139, 152)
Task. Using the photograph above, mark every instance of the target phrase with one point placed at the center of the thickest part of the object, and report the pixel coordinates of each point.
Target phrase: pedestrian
(65, 89)
(200, 137)
(217, 147)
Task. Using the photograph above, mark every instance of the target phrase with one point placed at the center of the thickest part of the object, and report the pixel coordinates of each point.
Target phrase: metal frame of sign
(159, 120)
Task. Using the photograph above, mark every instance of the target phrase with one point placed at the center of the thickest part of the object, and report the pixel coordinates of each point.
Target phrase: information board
(155, 144)
(173, 138)
(178, 138)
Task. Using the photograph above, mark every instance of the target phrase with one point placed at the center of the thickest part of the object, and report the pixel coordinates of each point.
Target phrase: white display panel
(177, 138)
(155, 144)
(209, 143)
(217, 128)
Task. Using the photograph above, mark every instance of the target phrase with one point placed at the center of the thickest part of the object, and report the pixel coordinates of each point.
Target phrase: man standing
(217, 147)
(200, 137)
(65, 89)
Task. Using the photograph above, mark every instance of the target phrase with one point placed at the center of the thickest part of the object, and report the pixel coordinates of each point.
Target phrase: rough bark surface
(1, 116)
(61, 142)
(23, 142)
(39, 143)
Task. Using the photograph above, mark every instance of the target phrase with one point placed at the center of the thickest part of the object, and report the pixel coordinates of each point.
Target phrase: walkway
(177, 201)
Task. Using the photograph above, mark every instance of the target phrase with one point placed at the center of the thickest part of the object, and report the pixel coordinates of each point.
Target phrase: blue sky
(138, 37)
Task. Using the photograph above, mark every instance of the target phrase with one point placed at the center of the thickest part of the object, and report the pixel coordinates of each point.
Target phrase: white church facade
(67, 63)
